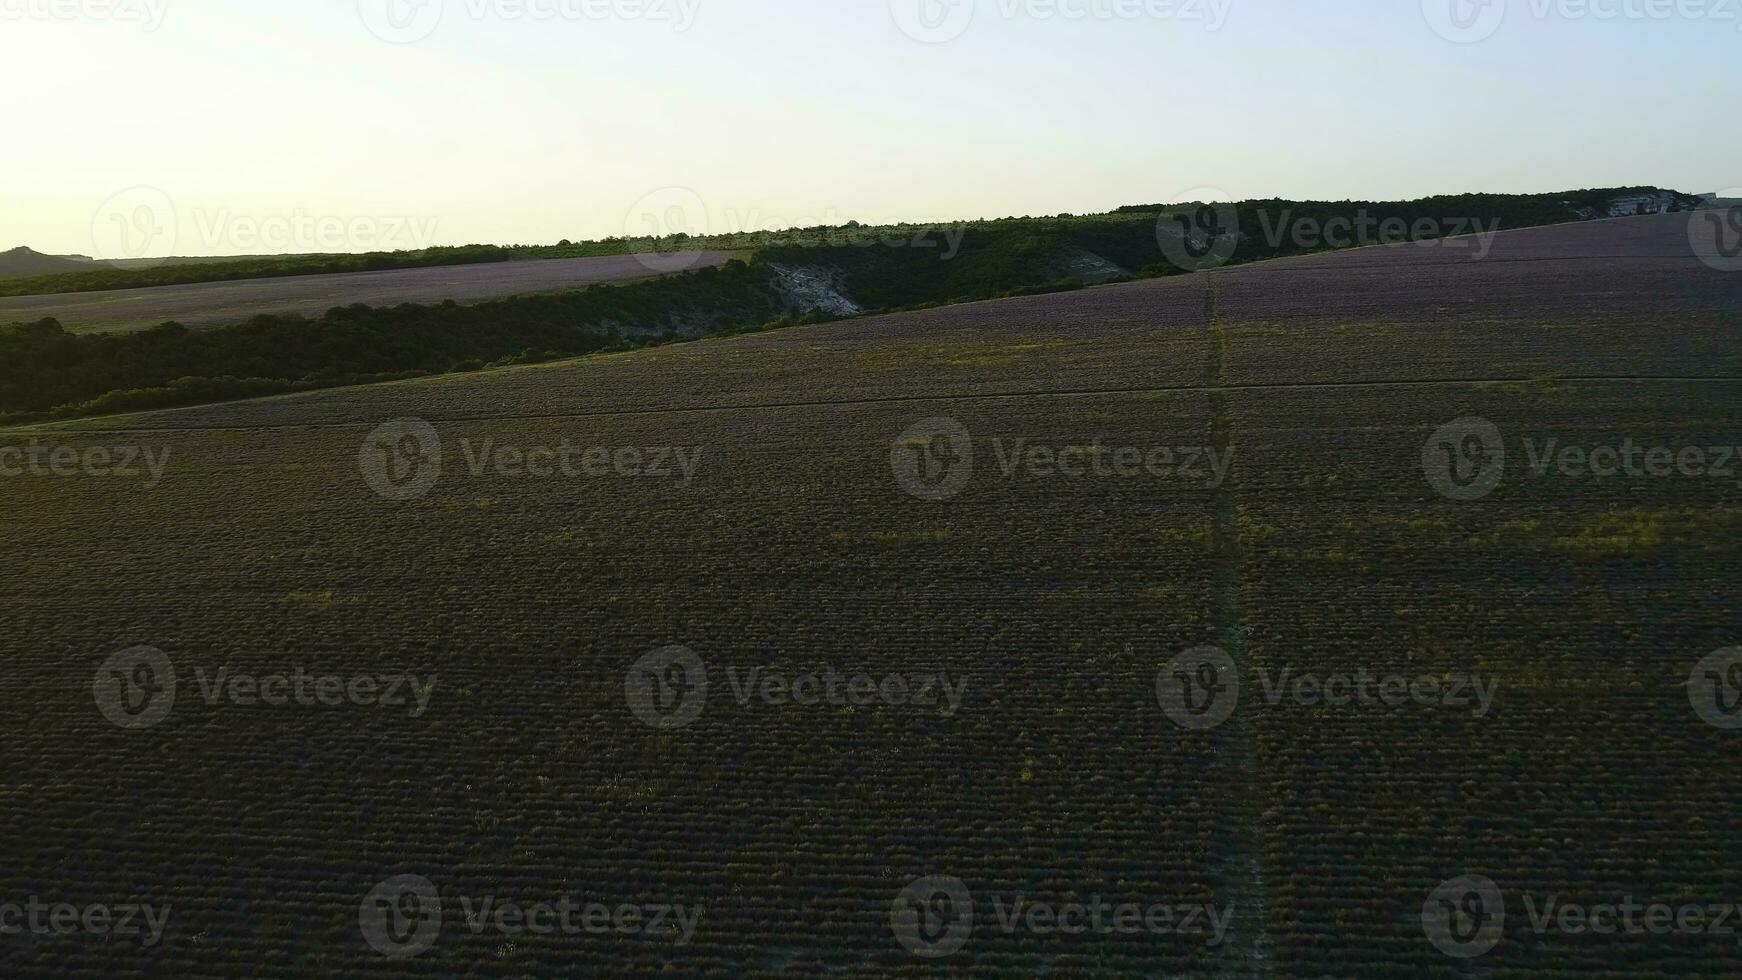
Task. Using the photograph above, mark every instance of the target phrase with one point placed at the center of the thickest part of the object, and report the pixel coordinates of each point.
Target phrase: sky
(218, 127)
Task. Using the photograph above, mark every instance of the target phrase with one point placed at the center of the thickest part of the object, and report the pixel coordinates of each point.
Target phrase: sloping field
(865, 500)
(218, 303)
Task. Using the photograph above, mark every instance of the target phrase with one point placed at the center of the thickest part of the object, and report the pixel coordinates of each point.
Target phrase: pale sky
(238, 126)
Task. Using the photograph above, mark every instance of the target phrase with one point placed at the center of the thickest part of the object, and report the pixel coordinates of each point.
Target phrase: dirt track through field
(1243, 870)
(212, 304)
(1313, 827)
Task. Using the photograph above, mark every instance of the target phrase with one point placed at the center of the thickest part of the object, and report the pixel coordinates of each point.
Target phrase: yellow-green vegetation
(1639, 532)
(1542, 647)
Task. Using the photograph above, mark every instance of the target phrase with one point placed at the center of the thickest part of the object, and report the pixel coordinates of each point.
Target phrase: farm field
(221, 303)
(1306, 533)
(1583, 603)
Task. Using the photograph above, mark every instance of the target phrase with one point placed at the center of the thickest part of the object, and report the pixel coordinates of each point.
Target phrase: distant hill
(212, 259)
(1611, 202)
(21, 262)
(1014, 252)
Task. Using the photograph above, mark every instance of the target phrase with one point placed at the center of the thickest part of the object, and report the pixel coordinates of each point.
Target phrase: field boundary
(1243, 871)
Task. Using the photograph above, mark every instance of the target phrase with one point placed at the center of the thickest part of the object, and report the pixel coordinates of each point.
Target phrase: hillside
(1056, 243)
(22, 263)
(1292, 526)
(224, 303)
(302, 338)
